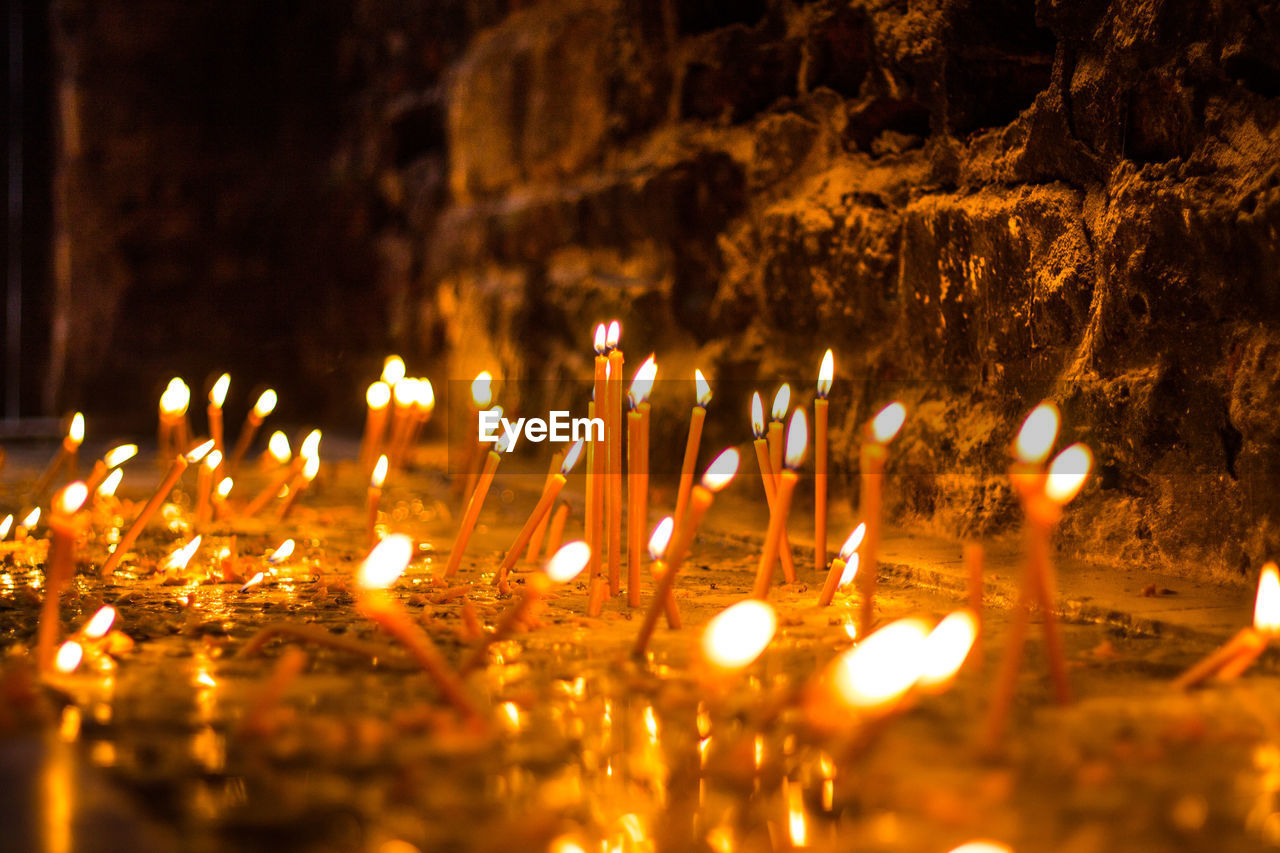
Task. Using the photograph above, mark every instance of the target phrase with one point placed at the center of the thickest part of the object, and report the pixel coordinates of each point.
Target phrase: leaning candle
(836, 575)
(204, 485)
(475, 503)
(265, 406)
(404, 397)
(883, 429)
(690, 463)
(718, 475)
(170, 480)
(777, 418)
(659, 541)
(423, 405)
(173, 417)
(614, 430)
(277, 453)
(376, 398)
(540, 532)
(66, 455)
(555, 533)
(298, 485)
(376, 480)
(638, 472)
(218, 500)
(310, 447)
(736, 636)
(481, 397)
(382, 568)
(59, 566)
(770, 483)
(218, 396)
(113, 458)
(564, 566)
(797, 438)
(825, 374)
(544, 505)
(1234, 657)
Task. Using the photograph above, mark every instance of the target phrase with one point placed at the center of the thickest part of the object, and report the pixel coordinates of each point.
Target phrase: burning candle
(265, 405)
(65, 455)
(170, 480)
(377, 398)
(946, 649)
(778, 417)
(770, 482)
(59, 566)
(481, 397)
(719, 474)
(659, 541)
(690, 462)
(597, 458)
(423, 405)
(1230, 660)
(173, 417)
(113, 458)
(555, 533)
(564, 566)
(178, 561)
(797, 438)
(404, 397)
(219, 498)
(872, 678)
(475, 504)
(204, 486)
(736, 636)
(277, 453)
(107, 489)
(375, 497)
(884, 427)
(6, 525)
(218, 396)
(29, 522)
(844, 567)
(825, 375)
(613, 431)
(382, 568)
(310, 447)
(638, 472)
(69, 656)
(299, 484)
(543, 506)
(393, 370)
(540, 532)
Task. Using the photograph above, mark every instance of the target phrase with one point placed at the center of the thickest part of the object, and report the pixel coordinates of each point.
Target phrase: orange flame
(199, 452)
(982, 846)
(850, 571)
(379, 472)
(224, 487)
(252, 582)
(826, 373)
(703, 388)
(426, 395)
(175, 399)
(311, 468)
(266, 403)
(739, 634)
(781, 402)
(179, 559)
(757, 415)
(642, 383)
(32, 519)
(69, 656)
(855, 539)
(393, 370)
(99, 623)
(661, 538)
(1067, 473)
(879, 670)
(797, 438)
(213, 460)
(6, 525)
(482, 389)
(71, 498)
(1038, 433)
(613, 335)
(1266, 607)
(888, 422)
(117, 456)
(311, 445)
(568, 562)
(218, 393)
(386, 562)
(378, 395)
(947, 647)
(571, 458)
(278, 447)
(75, 432)
(406, 392)
(599, 343)
(721, 471)
(109, 485)
(282, 552)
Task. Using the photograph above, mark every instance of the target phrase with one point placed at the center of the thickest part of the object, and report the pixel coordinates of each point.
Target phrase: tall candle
(543, 506)
(218, 396)
(1234, 657)
(768, 478)
(173, 417)
(59, 566)
(376, 479)
(298, 485)
(847, 556)
(614, 435)
(689, 465)
(597, 457)
(638, 472)
(825, 375)
(540, 532)
(423, 407)
(219, 498)
(377, 398)
(475, 504)
(777, 418)
(884, 427)
(404, 397)
(265, 405)
(659, 542)
(797, 439)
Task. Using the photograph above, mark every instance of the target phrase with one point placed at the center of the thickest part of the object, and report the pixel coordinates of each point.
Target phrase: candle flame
(426, 395)
(721, 471)
(179, 559)
(876, 672)
(642, 384)
(6, 525)
(482, 389)
(947, 647)
(739, 634)
(252, 582)
(218, 393)
(99, 623)
(797, 826)
(1067, 473)
(661, 538)
(199, 452)
(117, 456)
(311, 445)
(75, 432)
(406, 392)
(982, 846)
(568, 562)
(378, 395)
(797, 438)
(224, 487)
(278, 447)
(599, 344)
(1037, 434)
(885, 426)
(311, 468)
(703, 387)
(109, 485)
(282, 552)
(379, 472)
(826, 373)
(757, 415)
(393, 370)
(614, 335)
(266, 403)
(503, 444)
(213, 460)
(69, 656)
(71, 498)
(1266, 608)
(855, 539)
(850, 572)
(32, 519)
(386, 562)
(176, 398)
(781, 403)
(204, 679)
(571, 458)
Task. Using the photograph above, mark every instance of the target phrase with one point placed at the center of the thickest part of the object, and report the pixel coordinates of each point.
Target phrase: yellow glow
(69, 656)
(379, 472)
(598, 343)
(119, 455)
(511, 711)
(426, 395)
(406, 393)
(311, 468)
(482, 389)
(266, 403)
(282, 552)
(6, 525)
(781, 403)
(224, 488)
(739, 634)
(278, 447)
(213, 460)
(982, 846)
(199, 452)
(179, 559)
(252, 582)
(797, 438)
(947, 647)
(378, 395)
(614, 335)
(568, 562)
(826, 373)
(797, 826)
(757, 415)
(386, 562)
(642, 383)
(1067, 473)
(72, 497)
(204, 679)
(1038, 433)
(703, 388)
(1266, 607)
(881, 668)
(75, 432)
(850, 571)
(218, 393)
(721, 471)
(311, 445)
(393, 370)
(32, 519)
(109, 485)
(851, 544)
(99, 623)
(175, 399)
(565, 844)
(571, 458)
(661, 538)
(886, 424)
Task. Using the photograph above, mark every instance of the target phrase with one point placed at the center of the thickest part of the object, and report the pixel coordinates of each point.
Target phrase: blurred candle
(638, 472)
(66, 455)
(265, 405)
(835, 576)
(204, 485)
(884, 427)
(825, 375)
(613, 432)
(543, 506)
(475, 503)
(377, 397)
(769, 480)
(688, 466)
(797, 438)
(113, 458)
(376, 480)
(777, 419)
(59, 566)
(540, 532)
(173, 417)
(218, 396)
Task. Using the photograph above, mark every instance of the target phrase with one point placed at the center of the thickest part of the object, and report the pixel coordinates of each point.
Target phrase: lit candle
(382, 568)
(825, 375)
(567, 563)
(204, 485)
(219, 498)
(152, 506)
(884, 427)
(736, 637)
(310, 447)
(218, 396)
(277, 453)
(946, 649)
(173, 417)
(659, 541)
(59, 566)
(838, 576)
(543, 507)
(1238, 653)
(298, 485)
(377, 398)
(265, 405)
(638, 472)
(107, 489)
(66, 455)
(797, 439)
(778, 417)
(375, 497)
(404, 397)
(540, 532)
(597, 458)
(870, 679)
(481, 397)
(770, 483)
(393, 370)
(613, 432)
(718, 475)
(423, 405)
(555, 533)
(113, 458)
(475, 503)
(29, 522)
(690, 463)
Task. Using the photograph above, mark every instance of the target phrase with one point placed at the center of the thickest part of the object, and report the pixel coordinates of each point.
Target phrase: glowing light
(99, 623)
(887, 423)
(571, 458)
(851, 544)
(982, 846)
(379, 472)
(6, 525)
(850, 571)
(72, 497)
(278, 447)
(826, 373)
(1038, 433)
(311, 445)
(598, 344)
(614, 335)
(568, 562)
(426, 395)
(482, 389)
(213, 460)
(703, 388)
(565, 844)
(739, 634)
(283, 552)
(1067, 473)
(218, 393)
(781, 403)
(877, 671)
(199, 452)
(797, 438)
(117, 456)
(661, 538)
(179, 559)
(266, 403)
(311, 468)
(642, 383)
(205, 679)
(75, 432)
(947, 647)
(69, 656)
(393, 370)
(797, 826)
(406, 393)
(386, 562)
(721, 471)
(109, 485)
(175, 399)
(1266, 607)
(252, 582)
(757, 415)
(224, 488)
(32, 519)
(378, 395)
(512, 712)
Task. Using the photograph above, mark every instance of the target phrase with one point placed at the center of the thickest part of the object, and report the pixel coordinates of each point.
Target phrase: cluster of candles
(851, 698)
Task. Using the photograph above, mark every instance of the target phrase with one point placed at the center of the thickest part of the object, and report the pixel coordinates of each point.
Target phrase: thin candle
(540, 532)
(1237, 654)
(777, 419)
(377, 397)
(838, 575)
(689, 465)
(423, 406)
(219, 498)
(298, 485)
(613, 431)
(659, 542)
(404, 397)
(376, 479)
(310, 447)
(884, 427)
(204, 485)
(543, 506)
(638, 472)
(65, 455)
(277, 453)
(218, 396)
(113, 458)
(597, 458)
(481, 397)
(173, 417)
(769, 481)
(59, 566)
(474, 504)
(393, 370)
(265, 405)
(797, 439)
(825, 375)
